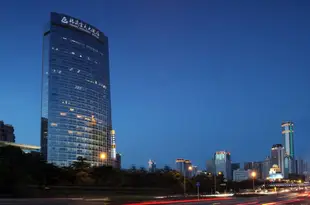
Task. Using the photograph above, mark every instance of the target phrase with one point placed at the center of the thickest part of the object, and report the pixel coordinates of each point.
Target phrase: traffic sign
(198, 184)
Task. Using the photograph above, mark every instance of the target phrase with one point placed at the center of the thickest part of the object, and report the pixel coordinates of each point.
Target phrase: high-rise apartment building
(76, 105)
(6, 132)
(223, 163)
(289, 151)
(277, 156)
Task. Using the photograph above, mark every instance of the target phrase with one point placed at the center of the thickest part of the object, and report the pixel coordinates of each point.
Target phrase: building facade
(184, 166)
(210, 166)
(300, 166)
(234, 166)
(266, 168)
(255, 166)
(277, 156)
(241, 175)
(223, 163)
(118, 161)
(6, 132)
(152, 165)
(76, 105)
(289, 149)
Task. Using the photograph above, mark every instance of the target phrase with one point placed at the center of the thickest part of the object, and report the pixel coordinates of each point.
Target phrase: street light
(190, 168)
(253, 174)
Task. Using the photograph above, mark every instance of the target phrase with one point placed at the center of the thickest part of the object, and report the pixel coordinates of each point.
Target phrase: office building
(299, 163)
(118, 161)
(248, 165)
(234, 166)
(6, 132)
(223, 163)
(184, 166)
(241, 175)
(289, 151)
(210, 166)
(277, 156)
(152, 166)
(255, 166)
(76, 105)
(179, 164)
(266, 168)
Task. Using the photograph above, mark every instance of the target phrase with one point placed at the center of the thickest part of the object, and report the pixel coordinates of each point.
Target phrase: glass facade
(289, 152)
(76, 106)
(223, 164)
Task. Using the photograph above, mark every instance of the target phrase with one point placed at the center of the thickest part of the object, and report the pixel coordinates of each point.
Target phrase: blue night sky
(188, 77)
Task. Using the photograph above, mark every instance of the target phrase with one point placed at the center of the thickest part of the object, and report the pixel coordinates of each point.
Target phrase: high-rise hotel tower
(76, 103)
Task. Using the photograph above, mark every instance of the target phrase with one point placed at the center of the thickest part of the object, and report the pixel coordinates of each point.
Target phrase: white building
(241, 175)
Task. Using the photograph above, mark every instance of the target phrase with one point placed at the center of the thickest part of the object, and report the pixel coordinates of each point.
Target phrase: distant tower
(183, 166)
(152, 166)
(277, 156)
(223, 163)
(113, 150)
(289, 151)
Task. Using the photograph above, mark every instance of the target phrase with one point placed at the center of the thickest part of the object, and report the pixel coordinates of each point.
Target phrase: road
(288, 198)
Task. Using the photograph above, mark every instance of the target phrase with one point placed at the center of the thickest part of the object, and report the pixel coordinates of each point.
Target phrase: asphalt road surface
(288, 198)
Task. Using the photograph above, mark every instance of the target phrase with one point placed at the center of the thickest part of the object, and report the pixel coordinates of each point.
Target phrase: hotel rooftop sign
(75, 23)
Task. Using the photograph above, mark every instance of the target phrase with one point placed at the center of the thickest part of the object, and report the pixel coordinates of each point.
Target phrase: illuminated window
(54, 124)
(79, 133)
(71, 109)
(72, 53)
(63, 114)
(70, 131)
(79, 116)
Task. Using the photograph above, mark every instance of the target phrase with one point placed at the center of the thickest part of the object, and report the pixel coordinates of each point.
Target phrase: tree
(80, 164)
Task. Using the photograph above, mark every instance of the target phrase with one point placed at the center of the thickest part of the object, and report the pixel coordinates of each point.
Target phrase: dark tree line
(18, 170)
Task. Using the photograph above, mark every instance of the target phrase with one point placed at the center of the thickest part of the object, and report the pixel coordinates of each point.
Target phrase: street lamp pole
(253, 176)
(189, 169)
(184, 178)
(215, 183)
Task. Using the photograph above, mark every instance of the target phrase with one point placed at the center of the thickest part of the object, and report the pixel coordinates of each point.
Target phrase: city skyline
(235, 80)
